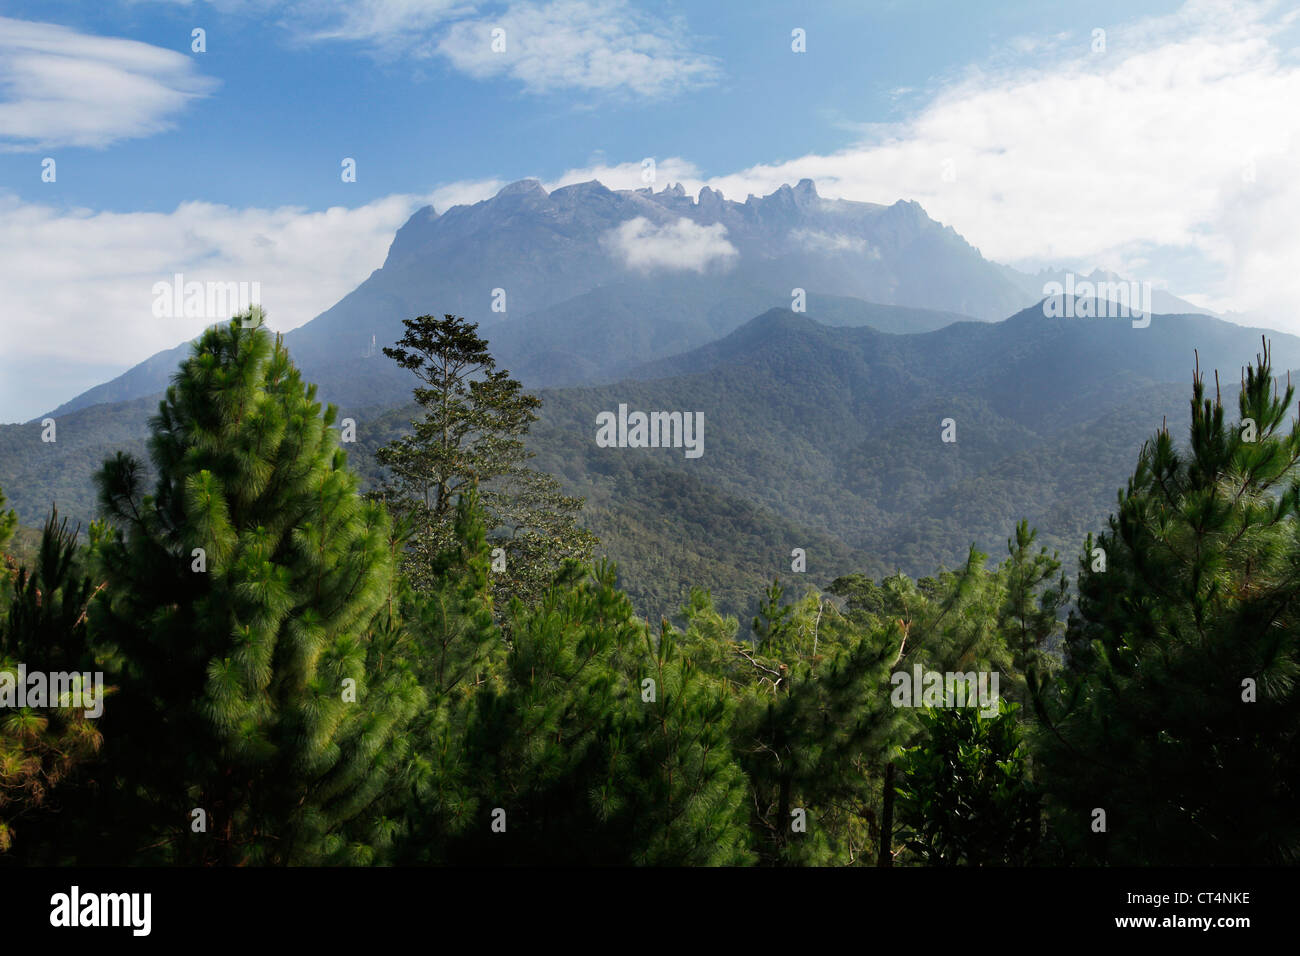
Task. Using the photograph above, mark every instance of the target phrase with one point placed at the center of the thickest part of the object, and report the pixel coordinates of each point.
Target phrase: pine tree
(475, 418)
(689, 796)
(578, 761)
(43, 628)
(457, 651)
(1034, 591)
(814, 732)
(1177, 716)
(251, 614)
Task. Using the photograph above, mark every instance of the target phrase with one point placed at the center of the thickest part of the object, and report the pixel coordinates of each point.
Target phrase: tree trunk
(886, 855)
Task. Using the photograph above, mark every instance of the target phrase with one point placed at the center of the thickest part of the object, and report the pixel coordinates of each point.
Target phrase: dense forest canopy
(275, 667)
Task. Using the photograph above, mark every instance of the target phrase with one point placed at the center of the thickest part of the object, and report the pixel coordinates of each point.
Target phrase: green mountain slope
(816, 437)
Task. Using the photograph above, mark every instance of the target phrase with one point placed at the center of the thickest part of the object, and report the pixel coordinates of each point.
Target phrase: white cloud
(464, 192)
(589, 45)
(78, 285)
(678, 246)
(592, 46)
(618, 176)
(1131, 160)
(59, 87)
(380, 21)
(816, 241)
(671, 169)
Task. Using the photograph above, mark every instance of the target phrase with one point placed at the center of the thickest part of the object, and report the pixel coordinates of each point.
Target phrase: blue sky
(275, 109)
(1169, 154)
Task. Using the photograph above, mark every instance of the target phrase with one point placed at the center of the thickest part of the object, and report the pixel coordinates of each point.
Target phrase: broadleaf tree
(474, 419)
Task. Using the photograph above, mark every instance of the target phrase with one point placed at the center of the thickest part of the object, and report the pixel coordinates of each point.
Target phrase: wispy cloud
(588, 45)
(59, 87)
(396, 26)
(1171, 156)
(79, 284)
(546, 46)
(631, 175)
(677, 246)
(825, 242)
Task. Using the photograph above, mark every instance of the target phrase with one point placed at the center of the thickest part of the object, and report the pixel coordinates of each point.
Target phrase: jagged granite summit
(581, 284)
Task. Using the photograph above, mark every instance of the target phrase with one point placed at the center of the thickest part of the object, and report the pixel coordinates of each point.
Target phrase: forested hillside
(287, 671)
(828, 439)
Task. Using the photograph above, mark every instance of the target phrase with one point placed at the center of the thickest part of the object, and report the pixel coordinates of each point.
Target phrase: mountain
(824, 341)
(839, 429)
(604, 335)
(1103, 281)
(821, 437)
(593, 279)
(1047, 358)
(146, 379)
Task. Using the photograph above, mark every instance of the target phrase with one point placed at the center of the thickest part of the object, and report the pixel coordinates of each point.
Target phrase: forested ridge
(817, 437)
